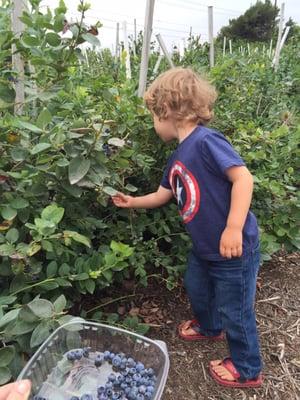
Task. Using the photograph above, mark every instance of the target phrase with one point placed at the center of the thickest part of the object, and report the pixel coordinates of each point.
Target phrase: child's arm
(152, 200)
(241, 194)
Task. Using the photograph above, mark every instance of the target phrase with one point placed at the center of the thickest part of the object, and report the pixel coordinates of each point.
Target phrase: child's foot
(190, 330)
(224, 372)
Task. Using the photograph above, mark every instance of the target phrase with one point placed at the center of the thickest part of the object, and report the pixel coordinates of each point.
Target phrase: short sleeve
(165, 178)
(218, 154)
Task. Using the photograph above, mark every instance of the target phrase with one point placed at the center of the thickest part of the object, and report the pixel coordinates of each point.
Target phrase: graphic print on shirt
(186, 190)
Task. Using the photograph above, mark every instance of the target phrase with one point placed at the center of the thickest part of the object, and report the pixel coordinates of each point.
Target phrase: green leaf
(49, 285)
(40, 334)
(93, 40)
(8, 213)
(131, 188)
(41, 308)
(80, 277)
(6, 355)
(29, 127)
(6, 249)
(26, 314)
(46, 245)
(116, 142)
(5, 300)
(7, 94)
(90, 285)
(8, 317)
(12, 235)
(44, 118)
(78, 168)
(33, 248)
(53, 39)
(52, 269)
(29, 41)
(21, 327)
(78, 237)
(18, 154)
(63, 282)
(64, 269)
(53, 213)
(60, 304)
(109, 190)
(19, 203)
(38, 148)
(5, 375)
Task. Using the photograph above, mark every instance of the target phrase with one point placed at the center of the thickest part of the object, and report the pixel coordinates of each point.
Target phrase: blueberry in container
(90, 361)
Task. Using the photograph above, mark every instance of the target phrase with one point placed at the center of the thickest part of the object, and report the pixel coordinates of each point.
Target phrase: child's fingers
(16, 391)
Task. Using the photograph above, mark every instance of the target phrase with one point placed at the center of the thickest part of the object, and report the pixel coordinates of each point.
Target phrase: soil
(278, 319)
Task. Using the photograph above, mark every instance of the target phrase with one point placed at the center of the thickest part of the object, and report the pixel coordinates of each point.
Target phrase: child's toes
(214, 363)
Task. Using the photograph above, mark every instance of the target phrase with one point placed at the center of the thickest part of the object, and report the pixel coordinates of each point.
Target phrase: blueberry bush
(83, 134)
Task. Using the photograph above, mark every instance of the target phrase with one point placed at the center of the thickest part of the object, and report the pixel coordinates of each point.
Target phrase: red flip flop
(198, 335)
(238, 382)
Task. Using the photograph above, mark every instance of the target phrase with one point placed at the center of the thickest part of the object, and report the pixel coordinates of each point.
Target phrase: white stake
(146, 46)
(126, 48)
(230, 46)
(211, 36)
(277, 51)
(224, 45)
(270, 50)
(286, 32)
(165, 50)
(17, 61)
(117, 41)
(248, 47)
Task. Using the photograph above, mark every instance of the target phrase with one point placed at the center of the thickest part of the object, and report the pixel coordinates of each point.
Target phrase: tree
(256, 24)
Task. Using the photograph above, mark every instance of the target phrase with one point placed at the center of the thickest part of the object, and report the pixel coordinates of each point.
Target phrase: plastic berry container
(55, 375)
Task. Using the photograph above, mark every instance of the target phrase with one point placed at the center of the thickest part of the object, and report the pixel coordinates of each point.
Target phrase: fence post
(17, 61)
(117, 42)
(211, 36)
(165, 50)
(277, 50)
(146, 46)
(224, 45)
(126, 48)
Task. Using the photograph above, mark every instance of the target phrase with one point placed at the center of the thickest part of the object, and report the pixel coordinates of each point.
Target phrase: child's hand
(15, 391)
(122, 200)
(231, 243)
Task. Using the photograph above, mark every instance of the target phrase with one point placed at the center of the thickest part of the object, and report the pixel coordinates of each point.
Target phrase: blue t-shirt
(196, 175)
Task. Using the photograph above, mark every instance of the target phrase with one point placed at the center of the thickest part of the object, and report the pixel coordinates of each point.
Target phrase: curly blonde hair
(188, 96)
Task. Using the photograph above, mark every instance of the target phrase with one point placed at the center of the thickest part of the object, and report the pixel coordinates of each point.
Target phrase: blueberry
(107, 130)
(106, 149)
(140, 367)
(86, 351)
(120, 379)
(137, 377)
(86, 397)
(102, 397)
(150, 372)
(100, 389)
(116, 361)
(108, 385)
(132, 371)
(71, 356)
(150, 389)
(127, 390)
(142, 389)
(130, 363)
(112, 377)
(140, 397)
(98, 361)
(74, 398)
(111, 356)
(109, 392)
(106, 355)
(78, 354)
(148, 396)
(115, 396)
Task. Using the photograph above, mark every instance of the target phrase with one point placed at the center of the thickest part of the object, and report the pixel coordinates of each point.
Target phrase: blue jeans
(222, 296)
